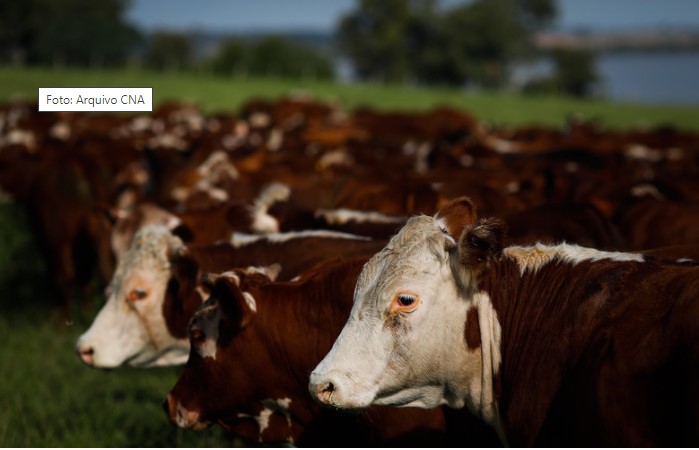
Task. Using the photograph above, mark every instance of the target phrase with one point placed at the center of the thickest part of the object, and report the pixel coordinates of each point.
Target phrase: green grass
(48, 398)
(227, 94)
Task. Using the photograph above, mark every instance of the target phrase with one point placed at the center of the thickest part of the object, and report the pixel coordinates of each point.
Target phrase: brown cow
(253, 345)
(551, 345)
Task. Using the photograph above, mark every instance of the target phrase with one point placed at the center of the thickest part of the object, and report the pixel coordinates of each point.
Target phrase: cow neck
(299, 323)
(544, 317)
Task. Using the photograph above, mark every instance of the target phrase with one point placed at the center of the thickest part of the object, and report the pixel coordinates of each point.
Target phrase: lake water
(651, 77)
(646, 77)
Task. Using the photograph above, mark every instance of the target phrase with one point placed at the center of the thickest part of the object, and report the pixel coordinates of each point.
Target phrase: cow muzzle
(181, 416)
(338, 391)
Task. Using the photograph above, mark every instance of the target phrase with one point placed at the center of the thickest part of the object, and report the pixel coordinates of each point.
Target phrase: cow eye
(405, 303)
(196, 335)
(138, 294)
(406, 300)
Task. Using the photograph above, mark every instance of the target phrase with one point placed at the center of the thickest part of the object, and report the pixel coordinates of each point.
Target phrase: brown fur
(599, 353)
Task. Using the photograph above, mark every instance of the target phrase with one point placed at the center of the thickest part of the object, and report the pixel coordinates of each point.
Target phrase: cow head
(131, 326)
(221, 381)
(406, 340)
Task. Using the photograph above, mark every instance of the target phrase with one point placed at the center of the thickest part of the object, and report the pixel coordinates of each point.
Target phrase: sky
(322, 15)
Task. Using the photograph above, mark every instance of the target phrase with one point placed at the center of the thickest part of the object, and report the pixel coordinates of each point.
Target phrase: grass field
(48, 398)
(227, 94)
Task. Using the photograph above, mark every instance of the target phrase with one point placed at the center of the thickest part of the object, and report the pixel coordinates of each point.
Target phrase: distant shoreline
(618, 41)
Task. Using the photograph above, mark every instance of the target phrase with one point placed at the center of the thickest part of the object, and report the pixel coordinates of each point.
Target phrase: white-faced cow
(551, 345)
(255, 341)
(155, 289)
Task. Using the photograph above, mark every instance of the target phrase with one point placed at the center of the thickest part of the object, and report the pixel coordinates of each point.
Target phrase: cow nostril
(87, 355)
(325, 391)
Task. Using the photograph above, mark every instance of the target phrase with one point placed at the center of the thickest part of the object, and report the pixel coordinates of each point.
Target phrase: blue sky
(241, 15)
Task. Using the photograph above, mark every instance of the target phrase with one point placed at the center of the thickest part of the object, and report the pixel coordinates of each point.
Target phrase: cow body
(551, 345)
(253, 345)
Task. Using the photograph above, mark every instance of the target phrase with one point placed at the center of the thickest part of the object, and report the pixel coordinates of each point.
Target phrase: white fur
(343, 216)
(135, 332)
(242, 239)
(534, 257)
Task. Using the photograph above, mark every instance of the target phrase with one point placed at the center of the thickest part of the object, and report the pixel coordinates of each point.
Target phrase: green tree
(413, 40)
(17, 32)
(575, 71)
(169, 51)
(275, 56)
(74, 32)
(378, 37)
(232, 58)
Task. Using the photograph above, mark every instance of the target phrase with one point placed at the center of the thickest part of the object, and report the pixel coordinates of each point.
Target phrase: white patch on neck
(534, 257)
(271, 406)
(342, 216)
(242, 239)
(491, 359)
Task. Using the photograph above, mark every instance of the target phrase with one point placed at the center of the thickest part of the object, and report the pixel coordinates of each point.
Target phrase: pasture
(50, 398)
(228, 94)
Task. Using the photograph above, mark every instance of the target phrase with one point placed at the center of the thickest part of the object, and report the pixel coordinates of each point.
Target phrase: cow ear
(456, 215)
(481, 244)
(239, 305)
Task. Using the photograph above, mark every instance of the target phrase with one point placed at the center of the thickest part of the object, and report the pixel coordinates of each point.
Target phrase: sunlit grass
(227, 94)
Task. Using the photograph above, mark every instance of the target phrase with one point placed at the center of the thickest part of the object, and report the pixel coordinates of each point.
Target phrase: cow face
(221, 380)
(403, 344)
(130, 327)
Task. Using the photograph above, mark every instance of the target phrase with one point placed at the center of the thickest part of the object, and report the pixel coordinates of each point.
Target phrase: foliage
(271, 56)
(169, 51)
(278, 57)
(66, 32)
(413, 40)
(231, 58)
(575, 71)
(575, 74)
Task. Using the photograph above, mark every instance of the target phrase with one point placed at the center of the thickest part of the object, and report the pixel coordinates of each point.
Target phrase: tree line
(470, 43)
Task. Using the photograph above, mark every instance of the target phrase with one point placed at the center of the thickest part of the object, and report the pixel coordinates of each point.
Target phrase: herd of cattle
(521, 286)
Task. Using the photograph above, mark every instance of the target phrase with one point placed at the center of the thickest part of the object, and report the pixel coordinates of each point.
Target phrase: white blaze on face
(403, 344)
(130, 327)
(208, 321)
